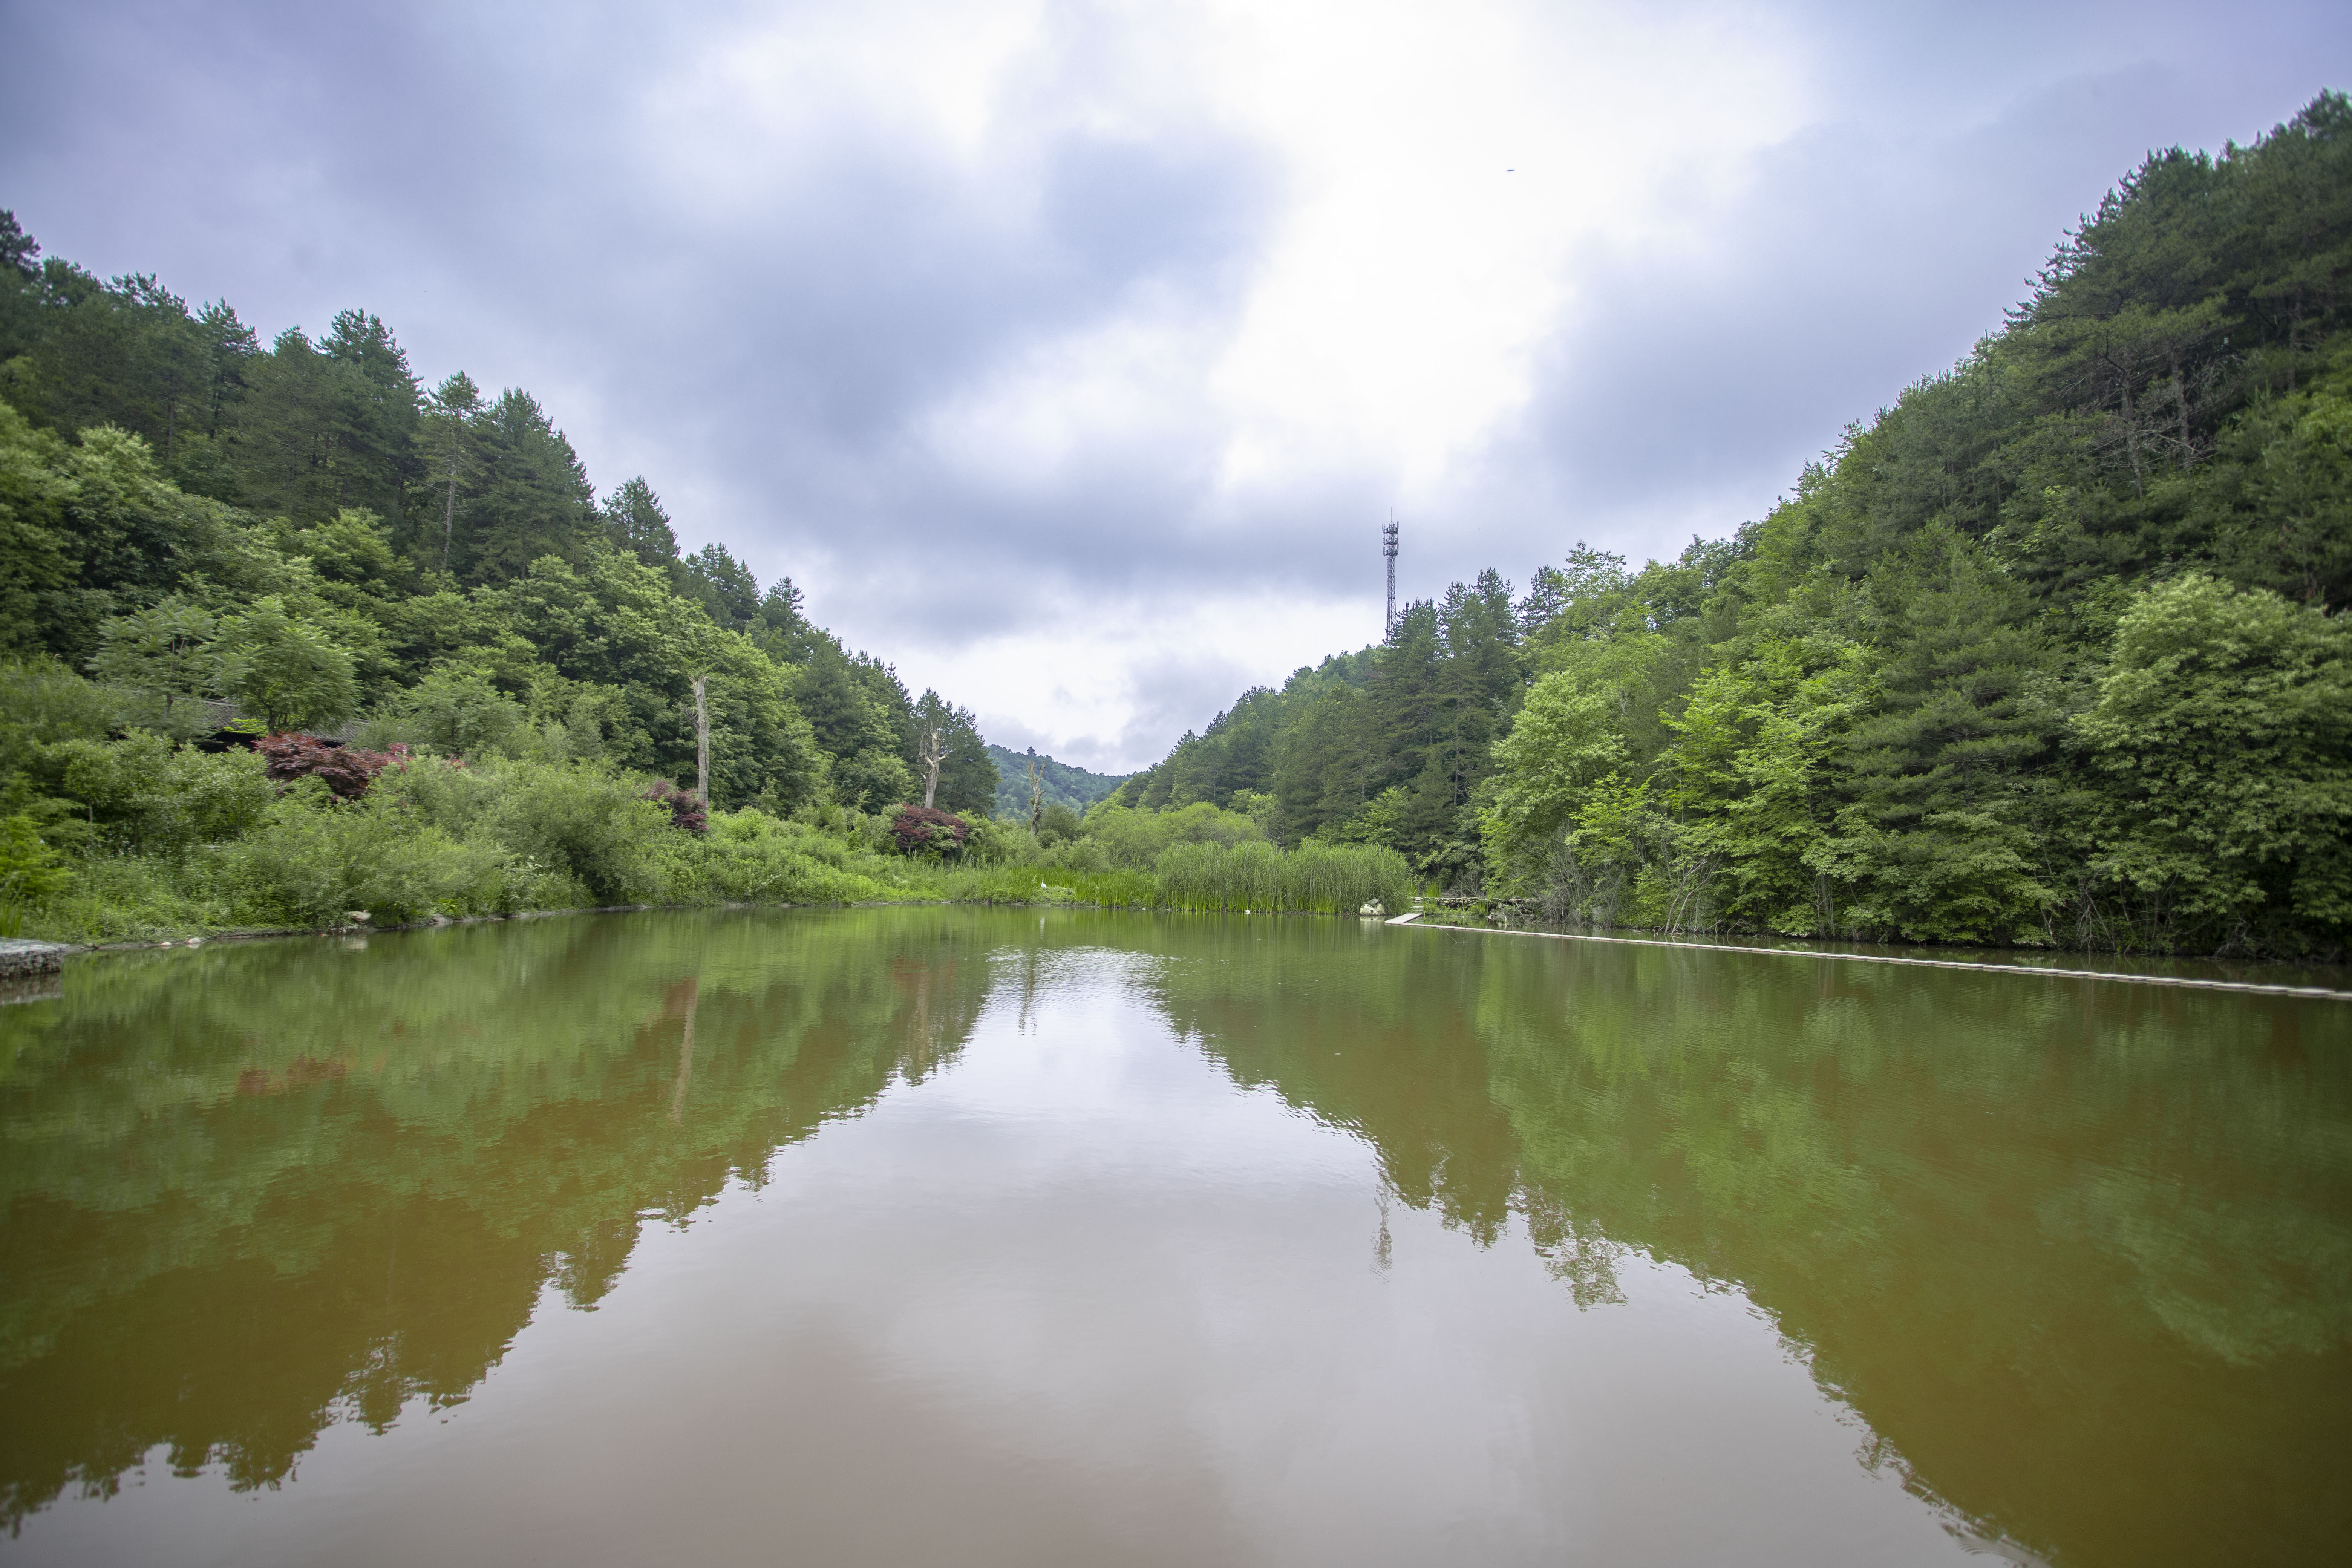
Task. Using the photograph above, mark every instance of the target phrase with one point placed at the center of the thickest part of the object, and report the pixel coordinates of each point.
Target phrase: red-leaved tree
(686, 809)
(348, 770)
(919, 827)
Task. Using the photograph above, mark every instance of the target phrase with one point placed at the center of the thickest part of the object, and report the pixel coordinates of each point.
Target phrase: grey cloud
(763, 328)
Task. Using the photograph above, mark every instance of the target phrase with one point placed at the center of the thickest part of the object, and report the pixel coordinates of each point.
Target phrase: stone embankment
(20, 959)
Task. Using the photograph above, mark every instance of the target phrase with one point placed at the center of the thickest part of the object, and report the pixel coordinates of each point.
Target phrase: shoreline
(31, 958)
(2306, 993)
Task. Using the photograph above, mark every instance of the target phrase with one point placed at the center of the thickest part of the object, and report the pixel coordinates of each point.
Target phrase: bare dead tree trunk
(2131, 439)
(702, 741)
(1036, 797)
(2180, 397)
(934, 754)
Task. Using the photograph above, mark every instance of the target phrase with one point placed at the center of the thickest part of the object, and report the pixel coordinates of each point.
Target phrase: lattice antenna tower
(1389, 549)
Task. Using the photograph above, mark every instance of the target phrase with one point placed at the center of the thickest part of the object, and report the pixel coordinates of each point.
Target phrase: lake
(966, 1235)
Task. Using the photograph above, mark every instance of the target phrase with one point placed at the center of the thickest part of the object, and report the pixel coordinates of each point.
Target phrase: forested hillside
(2050, 651)
(305, 530)
(1059, 784)
(288, 641)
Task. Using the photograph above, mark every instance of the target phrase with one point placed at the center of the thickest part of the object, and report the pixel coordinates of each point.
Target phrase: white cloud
(1070, 353)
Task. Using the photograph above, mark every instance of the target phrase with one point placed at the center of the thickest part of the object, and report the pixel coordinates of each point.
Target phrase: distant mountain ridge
(1063, 784)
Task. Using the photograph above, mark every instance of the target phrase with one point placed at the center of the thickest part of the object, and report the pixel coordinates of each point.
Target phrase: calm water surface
(970, 1236)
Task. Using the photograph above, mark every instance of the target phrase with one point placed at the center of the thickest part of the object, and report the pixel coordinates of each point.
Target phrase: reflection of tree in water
(2081, 1255)
(251, 1188)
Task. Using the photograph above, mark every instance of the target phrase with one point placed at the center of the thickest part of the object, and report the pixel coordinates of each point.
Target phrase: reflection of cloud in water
(2068, 1260)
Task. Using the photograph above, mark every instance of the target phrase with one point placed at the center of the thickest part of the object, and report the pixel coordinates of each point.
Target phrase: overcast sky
(1070, 355)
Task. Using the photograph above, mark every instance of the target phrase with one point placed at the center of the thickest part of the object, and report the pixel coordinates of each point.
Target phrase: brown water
(949, 1236)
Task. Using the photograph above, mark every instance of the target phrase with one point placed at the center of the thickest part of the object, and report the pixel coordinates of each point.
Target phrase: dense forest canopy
(434, 558)
(2050, 651)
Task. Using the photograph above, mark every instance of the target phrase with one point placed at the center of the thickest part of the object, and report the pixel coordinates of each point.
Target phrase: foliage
(1255, 876)
(1059, 783)
(144, 794)
(2048, 652)
(924, 830)
(587, 822)
(1136, 837)
(302, 528)
(167, 649)
(686, 808)
(454, 708)
(313, 862)
(31, 872)
(346, 770)
(2221, 732)
(284, 670)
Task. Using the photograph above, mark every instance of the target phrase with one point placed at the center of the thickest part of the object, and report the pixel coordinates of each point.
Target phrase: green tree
(1938, 842)
(723, 586)
(166, 649)
(634, 522)
(283, 670)
(532, 499)
(448, 430)
(2223, 732)
(1564, 742)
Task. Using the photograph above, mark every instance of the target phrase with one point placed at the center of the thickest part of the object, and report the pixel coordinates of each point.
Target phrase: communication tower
(1389, 549)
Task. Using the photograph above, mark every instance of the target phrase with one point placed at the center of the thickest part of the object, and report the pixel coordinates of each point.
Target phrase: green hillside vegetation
(2051, 651)
(1059, 783)
(197, 532)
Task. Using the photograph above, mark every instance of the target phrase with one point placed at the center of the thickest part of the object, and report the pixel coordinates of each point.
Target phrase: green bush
(147, 795)
(1133, 836)
(314, 860)
(42, 702)
(116, 897)
(455, 709)
(749, 856)
(440, 792)
(588, 821)
(31, 873)
(1081, 856)
(994, 841)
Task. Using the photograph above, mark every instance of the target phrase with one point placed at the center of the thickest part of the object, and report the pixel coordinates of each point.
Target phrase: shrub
(455, 710)
(748, 855)
(921, 829)
(30, 872)
(1134, 837)
(1082, 855)
(684, 807)
(151, 795)
(313, 860)
(347, 771)
(990, 842)
(135, 897)
(585, 820)
(42, 701)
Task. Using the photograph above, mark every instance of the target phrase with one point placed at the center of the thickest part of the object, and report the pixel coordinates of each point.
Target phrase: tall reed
(1332, 878)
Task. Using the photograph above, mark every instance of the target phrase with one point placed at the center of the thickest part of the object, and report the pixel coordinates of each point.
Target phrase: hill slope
(2050, 651)
(1063, 785)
